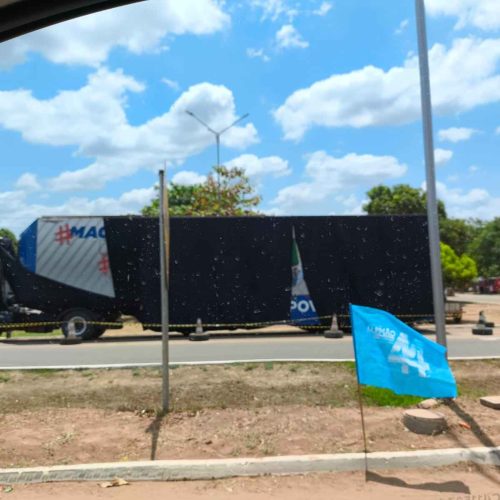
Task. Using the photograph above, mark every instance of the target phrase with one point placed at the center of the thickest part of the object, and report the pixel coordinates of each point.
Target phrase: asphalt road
(215, 350)
(474, 298)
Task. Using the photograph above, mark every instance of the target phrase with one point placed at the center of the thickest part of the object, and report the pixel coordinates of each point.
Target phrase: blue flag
(390, 354)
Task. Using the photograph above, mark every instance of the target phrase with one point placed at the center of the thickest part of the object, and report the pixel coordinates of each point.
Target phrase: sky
(92, 108)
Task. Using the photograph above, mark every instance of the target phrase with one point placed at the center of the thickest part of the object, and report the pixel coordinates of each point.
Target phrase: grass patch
(349, 365)
(4, 378)
(376, 396)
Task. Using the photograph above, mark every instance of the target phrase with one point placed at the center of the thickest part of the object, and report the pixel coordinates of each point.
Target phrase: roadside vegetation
(195, 388)
(469, 247)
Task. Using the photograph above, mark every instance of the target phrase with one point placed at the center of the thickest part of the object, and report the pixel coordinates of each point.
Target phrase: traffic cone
(71, 338)
(199, 333)
(334, 332)
(484, 321)
(199, 326)
(483, 327)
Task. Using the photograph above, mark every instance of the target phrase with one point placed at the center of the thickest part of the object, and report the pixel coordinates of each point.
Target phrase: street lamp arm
(234, 123)
(190, 113)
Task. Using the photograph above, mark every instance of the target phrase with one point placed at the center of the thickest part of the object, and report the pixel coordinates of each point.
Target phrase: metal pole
(432, 207)
(217, 140)
(164, 259)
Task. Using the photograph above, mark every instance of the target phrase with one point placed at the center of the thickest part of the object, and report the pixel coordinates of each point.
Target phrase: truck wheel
(82, 319)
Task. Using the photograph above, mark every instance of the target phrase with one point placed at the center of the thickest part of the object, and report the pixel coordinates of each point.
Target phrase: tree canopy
(226, 191)
(458, 271)
(7, 233)
(401, 199)
(180, 200)
(459, 233)
(486, 248)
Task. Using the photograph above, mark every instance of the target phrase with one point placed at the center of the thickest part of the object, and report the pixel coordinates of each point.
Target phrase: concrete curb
(171, 470)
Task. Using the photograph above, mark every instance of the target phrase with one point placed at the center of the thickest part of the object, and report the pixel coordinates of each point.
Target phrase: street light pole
(217, 136)
(432, 206)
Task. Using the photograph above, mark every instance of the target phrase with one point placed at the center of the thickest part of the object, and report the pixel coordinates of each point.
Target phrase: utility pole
(432, 206)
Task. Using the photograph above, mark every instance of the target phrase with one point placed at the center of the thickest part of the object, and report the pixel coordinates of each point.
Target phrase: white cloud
(287, 37)
(188, 178)
(483, 14)
(28, 182)
(17, 210)
(256, 167)
(462, 77)
(402, 27)
(323, 9)
(172, 84)
(118, 148)
(473, 168)
(442, 156)
(258, 53)
(475, 202)
(328, 175)
(456, 134)
(139, 28)
(497, 131)
(351, 205)
(274, 9)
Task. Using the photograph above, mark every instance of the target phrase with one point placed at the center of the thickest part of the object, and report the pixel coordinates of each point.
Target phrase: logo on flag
(392, 355)
(302, 310)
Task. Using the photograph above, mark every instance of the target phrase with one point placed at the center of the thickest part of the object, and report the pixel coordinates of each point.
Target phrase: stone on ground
(491, 402)
(422, 421)
(428, 404)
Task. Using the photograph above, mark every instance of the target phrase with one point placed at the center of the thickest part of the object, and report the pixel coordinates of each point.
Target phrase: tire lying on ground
(482, 331)
(82, 320)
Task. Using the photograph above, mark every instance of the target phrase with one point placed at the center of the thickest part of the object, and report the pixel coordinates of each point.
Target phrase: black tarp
(237, 270)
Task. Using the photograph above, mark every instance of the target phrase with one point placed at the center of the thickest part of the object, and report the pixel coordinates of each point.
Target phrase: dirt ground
(220, 411)
(453, 483)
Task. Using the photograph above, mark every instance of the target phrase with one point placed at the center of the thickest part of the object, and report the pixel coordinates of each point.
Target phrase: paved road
(476, 298)
(222, 349)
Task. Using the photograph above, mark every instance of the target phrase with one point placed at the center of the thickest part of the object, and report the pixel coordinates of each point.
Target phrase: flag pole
(360, 399)
(365, 447)
(164, 275)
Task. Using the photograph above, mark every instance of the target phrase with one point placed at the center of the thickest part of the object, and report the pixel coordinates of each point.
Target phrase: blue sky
(92, 108)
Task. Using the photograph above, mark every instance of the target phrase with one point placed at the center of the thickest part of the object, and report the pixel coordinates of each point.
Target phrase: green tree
(180, 200)
(226, 191)
(401, 199)
(7, 233)
(486, 249)
(458, 271)
(459, 233)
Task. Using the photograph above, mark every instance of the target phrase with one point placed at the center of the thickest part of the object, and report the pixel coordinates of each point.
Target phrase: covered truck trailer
(229, 271)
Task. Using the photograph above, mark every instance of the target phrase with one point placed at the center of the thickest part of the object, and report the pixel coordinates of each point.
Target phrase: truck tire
(82, 319)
